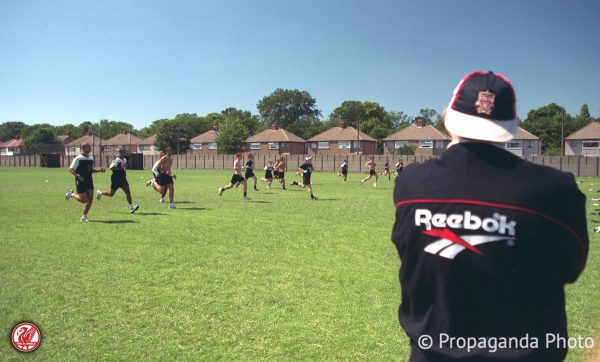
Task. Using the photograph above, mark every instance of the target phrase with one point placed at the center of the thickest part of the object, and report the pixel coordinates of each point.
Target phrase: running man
(386, 170)
(344, 170)
(155, 173)
(237, 177)
(82, 168)
(281, 168)
(268, 173)
(306, 169)
(164, 180)
(371, 165)
(250, 170)
(399, 167)
(118, 179)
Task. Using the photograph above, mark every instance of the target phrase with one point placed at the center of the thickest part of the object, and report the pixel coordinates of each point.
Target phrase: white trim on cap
(478, 128)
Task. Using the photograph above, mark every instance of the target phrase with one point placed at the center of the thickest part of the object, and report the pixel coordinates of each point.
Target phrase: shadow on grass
(192, 208)
(320, 199)
(116, 221)
(149, 213)
(185, 202)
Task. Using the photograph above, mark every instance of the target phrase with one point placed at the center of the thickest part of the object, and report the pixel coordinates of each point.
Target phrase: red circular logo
(26, 337)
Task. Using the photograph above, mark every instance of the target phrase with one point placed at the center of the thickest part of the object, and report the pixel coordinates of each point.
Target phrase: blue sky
(138, 61)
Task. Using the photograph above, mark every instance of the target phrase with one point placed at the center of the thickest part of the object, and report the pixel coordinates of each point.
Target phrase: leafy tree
(406, 150)
(215, 118)
(584, 112)
(250, 121)
(175, 135)
(41, 140)
(87, 126)
(28, 131)
(232, 136)
(108, 129)
(583, 118)
(370, 117)
(290, 108)
(350, 111)
(153, 128)
(10, 130)
(192, 123)
(439, 123)
(399, 119)
(428, 114)
(546, 122)
(69, 130)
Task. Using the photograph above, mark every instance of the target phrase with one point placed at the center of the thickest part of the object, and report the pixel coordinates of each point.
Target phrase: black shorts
(387, 169)
(82, 187)
(268, 175)
(118, 182)
(275, 174)
(236, 178)
(163, 179)
(306, 179)
(372, 172)
(281, 175)
(249, 173)
(344, 171)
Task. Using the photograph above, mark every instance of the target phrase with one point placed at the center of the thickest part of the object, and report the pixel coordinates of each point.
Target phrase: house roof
(148, 141)
(123, 139)
(15, 142)
(86, 139)
(524, 135)
(64, 138)
(590, 131)
(275, 135)
(208, 136)
(341, 134)
(414, 133)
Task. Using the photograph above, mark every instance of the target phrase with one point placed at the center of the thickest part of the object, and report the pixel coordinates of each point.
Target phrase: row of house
(341, 140)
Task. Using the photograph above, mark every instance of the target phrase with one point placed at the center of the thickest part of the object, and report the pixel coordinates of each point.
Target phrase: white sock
(130, 206)
(84, 216)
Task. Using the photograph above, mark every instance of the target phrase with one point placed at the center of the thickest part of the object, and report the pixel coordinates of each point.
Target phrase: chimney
(342, 123)
(274, 126)
(420, 122)
(216, 127)
(125, 132)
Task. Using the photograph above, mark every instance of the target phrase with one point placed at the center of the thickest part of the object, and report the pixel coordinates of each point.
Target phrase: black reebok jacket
(487, 242)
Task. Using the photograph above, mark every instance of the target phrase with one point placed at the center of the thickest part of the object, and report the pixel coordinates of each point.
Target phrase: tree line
(294, 110)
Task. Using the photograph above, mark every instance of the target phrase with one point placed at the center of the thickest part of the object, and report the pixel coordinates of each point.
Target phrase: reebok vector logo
(449, 244)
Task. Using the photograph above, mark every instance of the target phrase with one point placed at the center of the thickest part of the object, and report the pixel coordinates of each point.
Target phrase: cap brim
(478, 128)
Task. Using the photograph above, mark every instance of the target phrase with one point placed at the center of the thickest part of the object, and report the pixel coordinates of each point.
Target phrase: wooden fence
(577, 165)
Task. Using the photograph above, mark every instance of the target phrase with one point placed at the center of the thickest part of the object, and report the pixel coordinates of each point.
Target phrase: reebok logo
(467, 221)
(449, 244)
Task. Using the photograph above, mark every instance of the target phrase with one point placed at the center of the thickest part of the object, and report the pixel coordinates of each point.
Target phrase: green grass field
(278, 277)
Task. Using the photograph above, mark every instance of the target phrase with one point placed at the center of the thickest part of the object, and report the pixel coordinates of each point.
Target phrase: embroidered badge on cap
(485, 102)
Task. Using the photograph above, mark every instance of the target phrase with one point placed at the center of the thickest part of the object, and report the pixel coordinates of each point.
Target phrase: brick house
(275, 141)
(524, 144)
(585, 141)
(12, 147)
(424, 139)
(147, 147)
(205, 143)
(343, 140)
(73, 148)
(124, 140)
